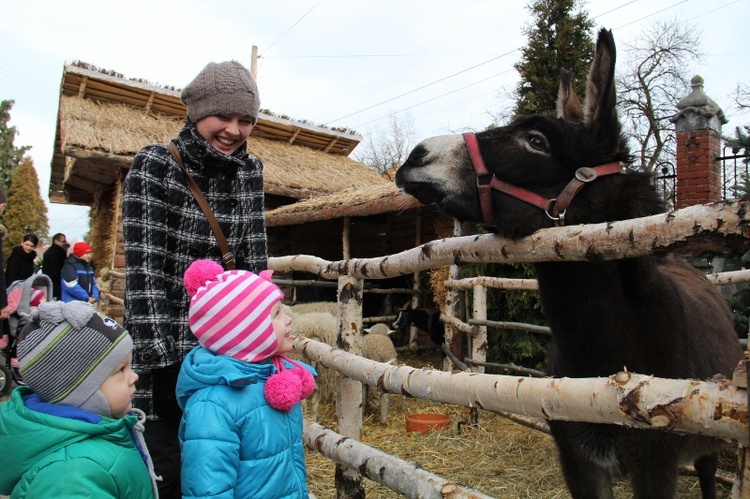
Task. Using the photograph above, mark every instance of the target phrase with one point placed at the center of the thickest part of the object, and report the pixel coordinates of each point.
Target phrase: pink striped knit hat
(230, 311)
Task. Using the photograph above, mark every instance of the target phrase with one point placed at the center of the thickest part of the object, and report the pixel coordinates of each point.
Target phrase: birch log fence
(717, 408)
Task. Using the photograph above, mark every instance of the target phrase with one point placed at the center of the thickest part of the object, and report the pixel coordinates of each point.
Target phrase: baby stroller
(23, 296)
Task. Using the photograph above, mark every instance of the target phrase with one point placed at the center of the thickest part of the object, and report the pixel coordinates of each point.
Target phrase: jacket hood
(27, 436)
(203, 368)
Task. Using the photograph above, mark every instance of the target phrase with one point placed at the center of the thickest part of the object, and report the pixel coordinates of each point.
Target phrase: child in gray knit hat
(72, 430)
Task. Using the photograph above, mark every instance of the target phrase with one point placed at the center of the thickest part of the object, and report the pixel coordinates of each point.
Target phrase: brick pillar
(698, 124)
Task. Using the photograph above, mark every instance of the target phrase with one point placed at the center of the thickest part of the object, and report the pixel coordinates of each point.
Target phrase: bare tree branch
(389, 148)
(655, 79)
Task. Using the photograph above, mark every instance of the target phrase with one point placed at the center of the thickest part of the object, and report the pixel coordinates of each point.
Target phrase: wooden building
(314, 192)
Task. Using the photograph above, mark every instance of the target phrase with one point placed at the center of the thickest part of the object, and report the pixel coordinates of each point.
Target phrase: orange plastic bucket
(424, 422)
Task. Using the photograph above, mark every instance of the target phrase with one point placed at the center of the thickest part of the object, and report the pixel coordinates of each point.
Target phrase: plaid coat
(165, 231)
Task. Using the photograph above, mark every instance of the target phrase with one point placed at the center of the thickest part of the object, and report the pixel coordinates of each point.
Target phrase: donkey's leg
(706, 467)
(584, 477)
(652, 458)
(654, 480)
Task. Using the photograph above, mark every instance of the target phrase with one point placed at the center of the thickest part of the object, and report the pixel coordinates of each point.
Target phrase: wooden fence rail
(716, 409)
(716, 226)
(398, 475)
(710, 408)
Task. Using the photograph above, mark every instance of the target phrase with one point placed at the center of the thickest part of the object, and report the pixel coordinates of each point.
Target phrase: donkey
(651, 314)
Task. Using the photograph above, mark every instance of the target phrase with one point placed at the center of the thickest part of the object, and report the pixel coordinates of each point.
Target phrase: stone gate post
(698, 125)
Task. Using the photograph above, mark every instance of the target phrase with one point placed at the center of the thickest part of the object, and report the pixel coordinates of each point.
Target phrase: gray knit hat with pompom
(68, 351)
(222, 88)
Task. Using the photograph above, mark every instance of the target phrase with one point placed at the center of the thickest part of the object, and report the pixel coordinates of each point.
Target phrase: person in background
(241, 432)
(53, 261)
(20, 264)
(4, 313)
(165, 229)
(77, 278)
(72, 431)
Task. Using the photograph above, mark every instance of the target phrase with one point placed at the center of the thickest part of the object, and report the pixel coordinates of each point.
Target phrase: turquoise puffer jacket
(234, 445)
(43, 455)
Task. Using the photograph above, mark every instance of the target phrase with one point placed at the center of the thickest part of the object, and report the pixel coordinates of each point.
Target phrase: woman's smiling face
(225, 132)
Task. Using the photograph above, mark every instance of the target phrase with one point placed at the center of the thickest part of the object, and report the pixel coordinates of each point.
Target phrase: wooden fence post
(478, 343)
(349, 391)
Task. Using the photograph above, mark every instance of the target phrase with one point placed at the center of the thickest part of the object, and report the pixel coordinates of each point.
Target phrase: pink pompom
(266, 275)
(282, 390)
(307, 381)
(199, 273)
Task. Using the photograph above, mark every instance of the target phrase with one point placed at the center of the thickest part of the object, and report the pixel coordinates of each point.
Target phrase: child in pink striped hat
(241, 428)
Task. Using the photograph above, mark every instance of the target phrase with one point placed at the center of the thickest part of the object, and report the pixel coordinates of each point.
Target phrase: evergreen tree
(10, 156)
(560, 38)
(26, 211)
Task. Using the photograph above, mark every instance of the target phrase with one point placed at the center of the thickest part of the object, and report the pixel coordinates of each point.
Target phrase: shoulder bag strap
(226, 254)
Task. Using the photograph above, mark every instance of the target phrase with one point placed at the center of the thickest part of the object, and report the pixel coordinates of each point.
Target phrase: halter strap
(554, 208)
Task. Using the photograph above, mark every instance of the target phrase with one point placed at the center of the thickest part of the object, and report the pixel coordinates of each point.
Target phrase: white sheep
(377, 346)
(322, 327)
(331, 307)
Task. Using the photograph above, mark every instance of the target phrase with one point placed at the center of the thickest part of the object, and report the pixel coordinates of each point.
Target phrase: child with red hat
(77, 276)
(241, 429)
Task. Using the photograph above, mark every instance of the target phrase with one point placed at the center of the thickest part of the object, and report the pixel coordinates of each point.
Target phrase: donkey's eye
(537, 141)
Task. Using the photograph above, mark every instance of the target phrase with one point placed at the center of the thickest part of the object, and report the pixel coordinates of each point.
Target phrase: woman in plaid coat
(165, 230)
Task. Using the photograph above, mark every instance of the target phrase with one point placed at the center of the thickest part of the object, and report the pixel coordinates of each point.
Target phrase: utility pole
(254, 62)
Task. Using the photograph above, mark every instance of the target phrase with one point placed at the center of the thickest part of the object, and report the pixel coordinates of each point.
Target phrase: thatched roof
(356, 202)
(105, 120)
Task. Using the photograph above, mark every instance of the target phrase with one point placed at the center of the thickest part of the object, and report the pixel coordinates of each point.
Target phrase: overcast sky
(332, 62)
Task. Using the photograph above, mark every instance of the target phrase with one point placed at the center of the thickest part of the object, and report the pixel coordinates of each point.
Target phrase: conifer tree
(10, 156)
(25, 211)
(559, 38)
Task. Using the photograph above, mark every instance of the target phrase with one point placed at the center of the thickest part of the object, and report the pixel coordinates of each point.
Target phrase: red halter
(486, 181)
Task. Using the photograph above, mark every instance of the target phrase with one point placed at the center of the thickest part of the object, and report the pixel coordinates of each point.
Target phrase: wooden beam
(331, 144)
(150, 101)
(374, 207)
(294, 136)
(82, 86)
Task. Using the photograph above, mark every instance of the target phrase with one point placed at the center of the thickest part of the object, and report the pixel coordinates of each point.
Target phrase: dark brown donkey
(651, 315)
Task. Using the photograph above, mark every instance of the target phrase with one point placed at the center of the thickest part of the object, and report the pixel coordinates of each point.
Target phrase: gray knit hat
(68, 351)
(222, 88)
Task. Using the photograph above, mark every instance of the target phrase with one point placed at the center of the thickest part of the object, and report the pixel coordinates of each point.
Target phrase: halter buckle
(586, 174)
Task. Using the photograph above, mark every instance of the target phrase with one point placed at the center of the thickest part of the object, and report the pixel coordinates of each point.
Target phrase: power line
(291, 27)
(490, 60)
(652, 14)
(616, 8)
(435, 98)
(359, 56)
(468, 69)
(422, 87)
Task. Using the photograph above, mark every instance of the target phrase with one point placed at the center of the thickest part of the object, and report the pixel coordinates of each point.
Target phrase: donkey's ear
(600, 101)
(568, 106)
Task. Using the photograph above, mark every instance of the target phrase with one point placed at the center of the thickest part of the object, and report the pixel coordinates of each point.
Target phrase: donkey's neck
(594, 309)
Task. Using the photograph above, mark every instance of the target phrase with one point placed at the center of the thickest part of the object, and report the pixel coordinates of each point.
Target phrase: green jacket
(44, 455)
